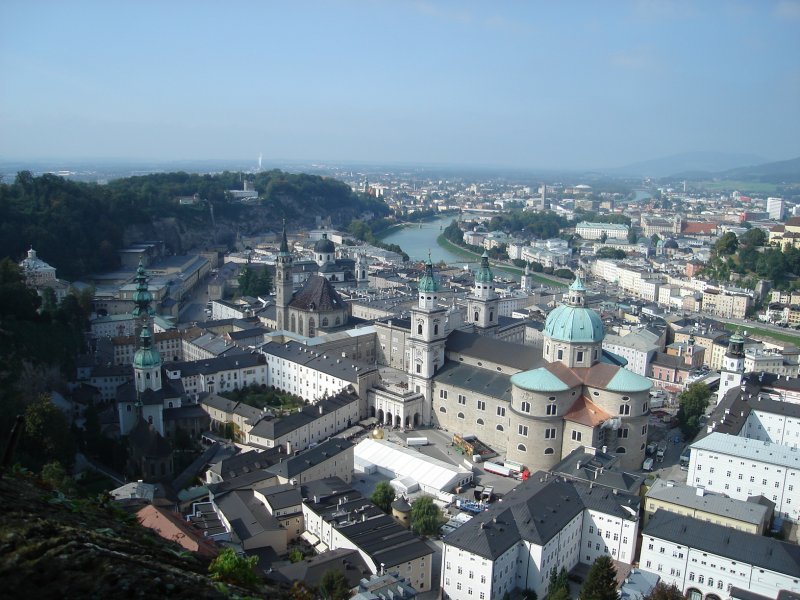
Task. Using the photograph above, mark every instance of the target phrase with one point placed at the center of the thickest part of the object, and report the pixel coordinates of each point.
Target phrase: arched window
(311, 327)
(419, 329)
(338, 321)
(147, 375)
(460, 415)
(150, 419)
(491, 315)
(521, 448)
(549, 451)
(476, 315)
(442, 409)
(436, 329)
(324, 321)
(621, 450)
(499, 428)
(293, 327)
(480, 421)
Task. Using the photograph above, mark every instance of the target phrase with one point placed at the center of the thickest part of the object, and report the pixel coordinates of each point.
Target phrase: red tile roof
(586, 412)
(698, 227)
(172, 527)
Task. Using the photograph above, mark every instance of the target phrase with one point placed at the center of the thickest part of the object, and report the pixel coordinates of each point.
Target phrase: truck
(662, 450)
(497, 469)
(416, 441)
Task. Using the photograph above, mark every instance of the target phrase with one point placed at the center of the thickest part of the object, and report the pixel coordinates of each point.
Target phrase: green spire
(427, 282)
(484, 273)
(146, 356)
(577, 285)
(142, 296)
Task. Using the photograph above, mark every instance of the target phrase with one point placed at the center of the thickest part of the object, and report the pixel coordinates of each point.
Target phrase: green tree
(601, 583)
(615, 253)
(662, 591)
(633, 237)
(383, 496)
(558, 584)
(426, 518)
(654, 239)
(295, 555)
(55, 476)
(692, 405)
(755, 236)
(333, 586)
(603, 237)
(229, 567)
(561, 593)
(47, 436)
(727, 244)
(565, 273)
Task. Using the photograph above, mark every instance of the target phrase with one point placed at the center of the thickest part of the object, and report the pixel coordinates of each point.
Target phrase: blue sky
(518, 84)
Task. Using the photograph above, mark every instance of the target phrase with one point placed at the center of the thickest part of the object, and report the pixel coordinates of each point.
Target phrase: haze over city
(531, 85)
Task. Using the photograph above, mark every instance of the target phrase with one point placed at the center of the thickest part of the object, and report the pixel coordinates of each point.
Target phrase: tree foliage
(47, 436)
(333, 585)
(615, 253)
(383, 496)
(727, 244)
(426, 518)
(692, 405)
(755, 236)
(558, 585)
(662, 591)
(229, 567)
(255, 281)
(601, 583)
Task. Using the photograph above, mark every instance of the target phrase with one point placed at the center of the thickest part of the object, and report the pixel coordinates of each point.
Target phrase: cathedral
(536, 406)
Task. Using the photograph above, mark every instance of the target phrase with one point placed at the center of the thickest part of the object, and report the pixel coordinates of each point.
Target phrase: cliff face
(56, 548)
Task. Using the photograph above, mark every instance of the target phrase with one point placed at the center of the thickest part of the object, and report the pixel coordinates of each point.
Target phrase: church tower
(732, 366)
(427, 339)
(482, 305)
(526, 281)
(283, 282)
(146, 360)
(362, 272)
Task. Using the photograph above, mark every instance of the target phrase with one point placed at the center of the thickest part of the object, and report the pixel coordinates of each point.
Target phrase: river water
(417, 239)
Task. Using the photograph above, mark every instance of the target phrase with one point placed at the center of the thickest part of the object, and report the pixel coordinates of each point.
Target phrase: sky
(513, 84)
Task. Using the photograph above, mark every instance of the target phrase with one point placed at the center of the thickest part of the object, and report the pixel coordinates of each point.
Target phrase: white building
(637, 347)
(221, 374)
(542, 524)
(740, 468)
(705, 560)
(594, 231)
(775, 208)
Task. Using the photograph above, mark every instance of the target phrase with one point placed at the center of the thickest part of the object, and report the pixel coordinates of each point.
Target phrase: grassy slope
(792, 338)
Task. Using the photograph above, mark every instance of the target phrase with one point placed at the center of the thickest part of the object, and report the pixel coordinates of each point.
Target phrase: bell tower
(482, 305)
(732, 366)
(427, 339)
(283, 282)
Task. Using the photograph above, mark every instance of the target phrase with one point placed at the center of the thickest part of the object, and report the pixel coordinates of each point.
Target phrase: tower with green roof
(482, 304)
(146, 360)
(427, 339)
(732, 366)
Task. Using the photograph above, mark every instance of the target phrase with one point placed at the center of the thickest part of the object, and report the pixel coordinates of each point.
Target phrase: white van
(647, 465)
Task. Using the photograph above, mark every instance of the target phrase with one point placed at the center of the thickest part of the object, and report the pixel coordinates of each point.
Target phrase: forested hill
(78, 227)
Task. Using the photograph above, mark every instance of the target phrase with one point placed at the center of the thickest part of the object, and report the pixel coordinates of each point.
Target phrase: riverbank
(383, 233)
(767, 333)
(455, 249)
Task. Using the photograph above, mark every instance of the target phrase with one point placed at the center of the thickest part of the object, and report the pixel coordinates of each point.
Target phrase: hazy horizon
(515, 85)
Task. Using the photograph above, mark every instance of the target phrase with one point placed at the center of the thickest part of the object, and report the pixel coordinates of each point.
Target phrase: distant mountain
(783, 171)
(687, 162)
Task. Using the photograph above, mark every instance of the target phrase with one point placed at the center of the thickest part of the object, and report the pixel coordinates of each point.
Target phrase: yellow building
(752, 517)
(786, 235)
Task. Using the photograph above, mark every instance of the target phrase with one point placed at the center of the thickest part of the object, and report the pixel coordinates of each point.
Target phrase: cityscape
(371, 344)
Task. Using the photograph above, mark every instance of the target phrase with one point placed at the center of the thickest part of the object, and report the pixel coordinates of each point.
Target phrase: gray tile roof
(311, 570)
(683, 495)
(475, 379)
(272, 429)
(535, 511)
(598, 468)
(763, 552)
(293, 466)
(241, 360)
(498, 351)
(328, 362)
(282, 496)
(246, 514)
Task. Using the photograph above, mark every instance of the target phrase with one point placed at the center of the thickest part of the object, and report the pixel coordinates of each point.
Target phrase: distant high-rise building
(775, 208)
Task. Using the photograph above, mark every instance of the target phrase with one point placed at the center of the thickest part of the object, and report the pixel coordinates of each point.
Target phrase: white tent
(394, 461)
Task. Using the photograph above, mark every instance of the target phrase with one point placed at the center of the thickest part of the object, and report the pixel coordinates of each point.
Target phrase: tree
(601, 583)
(55, 476)
(662, 591)
(654, 239)
(47, 436)
(558, 585)
(383, 496)
(333, 585)
(426, 518)
(229, 567)
(754, 237)
(565, 273)
(633, 237)
(727, 244)
(603, 237)
(615, 253)
(692, 405)
(295, 555)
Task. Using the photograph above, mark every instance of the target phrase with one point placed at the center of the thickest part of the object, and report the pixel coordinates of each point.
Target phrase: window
(580, 356)
(552, 409)
(622, 433)
(419, 368)
(443, 394)
(522, 430)
(691, 576)
(435, 330)
(419, 329)
(462, 399)
(576, 437)
(525, 407)
(442, 409)
(549, 451)
(501, 411)
(621, 450)
(460, 570)
(481, 405)
(560, 354)
(499, 428)
(701, 578)
(479, 421)
(624, 409)
(644, 429)
(460, 415)
(550, 433)
(521, 448)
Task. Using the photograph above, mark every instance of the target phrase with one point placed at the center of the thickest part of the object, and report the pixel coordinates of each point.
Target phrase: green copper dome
(146, 356)
(484, 272)
(628, 381)
(142, 296)
(538, 380)
(573, 322)
(427, 283)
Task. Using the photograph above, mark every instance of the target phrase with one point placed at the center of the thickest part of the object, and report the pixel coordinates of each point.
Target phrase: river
(416, 239)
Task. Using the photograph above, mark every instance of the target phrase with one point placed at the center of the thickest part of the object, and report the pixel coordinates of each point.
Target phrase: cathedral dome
(324, 246)
(573, 322)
